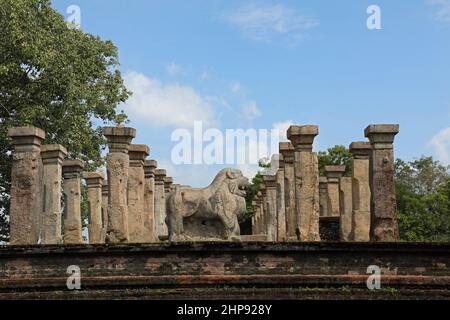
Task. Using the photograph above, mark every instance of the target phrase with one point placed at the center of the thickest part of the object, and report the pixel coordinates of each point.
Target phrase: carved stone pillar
(52, 158)
(119, 139)
(306, 181)
(333, 174)
(136, 190)
(25, 183)
(271, 200)
(94, 182)
(384, 207)
(281, 201)
(323, 196)
(149, 201)
(72, 190)
(346, 208)
(105, 192)
(160, 204)
(361, 191)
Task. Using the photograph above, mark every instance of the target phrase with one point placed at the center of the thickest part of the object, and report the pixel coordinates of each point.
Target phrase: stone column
(94, 182)
(361, 191)
(136, 190)
(333, 174)
(52, 158)
(254, 218)
(346, 208)
(168, 183)
(323, 196)
(72, 191)
(271, 200)
(25, 183)
(117, 163)
(306, 181)
(281, 201)
(287, 151)
(105, 191)
(260, 204)
(263, 190)
(160, 204)
(149, 201)
(383, 204)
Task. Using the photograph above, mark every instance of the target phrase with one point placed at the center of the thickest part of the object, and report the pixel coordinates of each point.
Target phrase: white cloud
(443, 10)
(264, 22)
(174, 69)
(166, 105)
(250, 111)
(283, 127)
(441, 145)
(236, 87)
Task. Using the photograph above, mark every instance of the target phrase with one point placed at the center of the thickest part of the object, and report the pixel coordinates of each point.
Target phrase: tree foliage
(56, 78)
(423, 200)
(335, 156)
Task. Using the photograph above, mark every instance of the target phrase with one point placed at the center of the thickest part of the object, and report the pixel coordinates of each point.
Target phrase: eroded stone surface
(383, 205)
(149, 201)
(94, 182)
(287, 151)
(160, 204)
(346, 208)
(333, 174)
(72, 222)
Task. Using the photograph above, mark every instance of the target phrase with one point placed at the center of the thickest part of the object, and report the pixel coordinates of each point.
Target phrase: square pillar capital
(149, 168)
(72, 168)
(302, 137)
(25, 139)
(119, 138)
(53, 153)
(334, 173)
(137, 154)
(270, 181)
(360, 149)
(381, 136)
(287, 150)
(94, 179)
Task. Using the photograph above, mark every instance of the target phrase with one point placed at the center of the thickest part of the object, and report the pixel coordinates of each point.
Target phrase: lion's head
(237, 184)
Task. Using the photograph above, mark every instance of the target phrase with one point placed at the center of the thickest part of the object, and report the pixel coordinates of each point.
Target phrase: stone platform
(223, 270)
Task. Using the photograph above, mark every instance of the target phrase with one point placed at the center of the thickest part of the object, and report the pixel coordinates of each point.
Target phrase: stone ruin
(138, 203)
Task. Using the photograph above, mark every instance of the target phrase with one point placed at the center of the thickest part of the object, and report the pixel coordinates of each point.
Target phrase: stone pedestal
(94, 182)
(346, 208)
(72, 191)
(149, 201)
(136, 191)
(117, 162)
(105, 192)
(160, 204)
(306, 181)
(287, 151)
(25, 183)
(361, 191)
(323, 196)
(383, 207)
(52, 156)
(333, 174)
(281, 209)
(271, 200)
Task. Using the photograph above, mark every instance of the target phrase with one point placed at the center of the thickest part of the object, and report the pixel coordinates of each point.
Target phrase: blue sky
(265, 64)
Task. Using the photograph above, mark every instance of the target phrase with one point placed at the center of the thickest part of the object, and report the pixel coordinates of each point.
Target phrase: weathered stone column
(287, 151)
(105, 191)
(136, 190)
(117, 162)
(72, 191)
(94, 182)
(149, 201)
(333, 174)
(254, 218)
(383, 204)
(281, 201)
(25, 183)
(271, 200)
(361, 191)
(259, 201)
(263, 198)
(160, 204)
(306, 181)
(346, 208)
(168, 183)
(52, 156)
(323, 196)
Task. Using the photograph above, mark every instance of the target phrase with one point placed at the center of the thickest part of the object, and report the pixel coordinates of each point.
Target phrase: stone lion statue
(209, 213)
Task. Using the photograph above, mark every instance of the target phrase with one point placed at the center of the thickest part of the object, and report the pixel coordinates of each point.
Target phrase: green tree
(335, 156)
(423, 200)
(57, 78)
